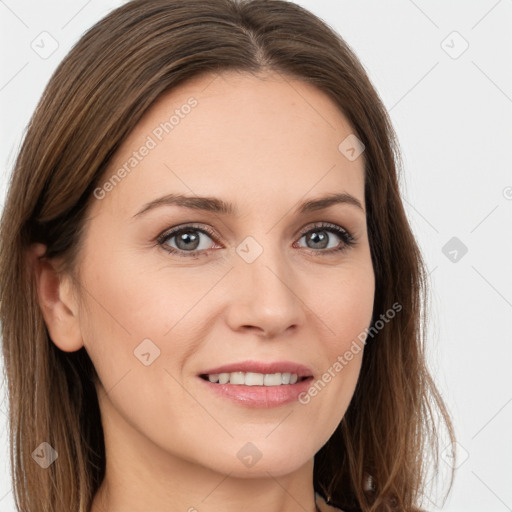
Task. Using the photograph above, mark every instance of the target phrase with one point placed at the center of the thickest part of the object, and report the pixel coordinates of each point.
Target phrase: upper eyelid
(172, 232)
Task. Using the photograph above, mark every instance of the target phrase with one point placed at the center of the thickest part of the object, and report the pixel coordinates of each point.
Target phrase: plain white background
(443, 71)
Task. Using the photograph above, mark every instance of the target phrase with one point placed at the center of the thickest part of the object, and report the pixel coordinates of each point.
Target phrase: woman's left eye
(318, 236)
(187, 239)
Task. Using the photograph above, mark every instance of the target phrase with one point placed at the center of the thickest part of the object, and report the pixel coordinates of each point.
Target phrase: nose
(265, 296)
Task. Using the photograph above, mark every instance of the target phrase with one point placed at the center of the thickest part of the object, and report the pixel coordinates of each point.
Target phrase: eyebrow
(215, 205)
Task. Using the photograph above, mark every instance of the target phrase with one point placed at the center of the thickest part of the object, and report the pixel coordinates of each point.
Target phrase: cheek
(345, 304)
(351, 311)
(133, 311)
(347, 312)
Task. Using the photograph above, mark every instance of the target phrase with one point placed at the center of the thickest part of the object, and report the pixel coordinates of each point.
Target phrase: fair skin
(172, 444)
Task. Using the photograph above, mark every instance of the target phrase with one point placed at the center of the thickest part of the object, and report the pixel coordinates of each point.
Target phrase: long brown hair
(94, 99)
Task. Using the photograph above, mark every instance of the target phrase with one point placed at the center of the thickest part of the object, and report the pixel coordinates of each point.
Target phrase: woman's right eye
(188, 241)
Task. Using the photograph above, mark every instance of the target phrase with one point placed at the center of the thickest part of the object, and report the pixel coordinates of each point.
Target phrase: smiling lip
(262, 367)
(262, 397)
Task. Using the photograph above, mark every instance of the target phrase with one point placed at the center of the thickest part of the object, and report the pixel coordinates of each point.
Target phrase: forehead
(236, 135)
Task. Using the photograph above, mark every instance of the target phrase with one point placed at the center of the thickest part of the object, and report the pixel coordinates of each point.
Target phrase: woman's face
(263, 283)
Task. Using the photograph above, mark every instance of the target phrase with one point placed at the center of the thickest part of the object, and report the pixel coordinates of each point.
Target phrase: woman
(275, 364)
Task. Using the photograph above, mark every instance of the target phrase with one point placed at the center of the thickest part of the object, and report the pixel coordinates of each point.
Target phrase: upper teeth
(254, 379)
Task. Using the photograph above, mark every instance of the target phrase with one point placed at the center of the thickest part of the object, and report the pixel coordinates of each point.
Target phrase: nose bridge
(264, 262)
(265, 295)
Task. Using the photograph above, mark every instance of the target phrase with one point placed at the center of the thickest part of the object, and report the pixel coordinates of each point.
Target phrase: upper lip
(262, 367)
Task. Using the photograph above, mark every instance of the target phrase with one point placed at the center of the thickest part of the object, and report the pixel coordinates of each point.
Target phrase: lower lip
(262, 397)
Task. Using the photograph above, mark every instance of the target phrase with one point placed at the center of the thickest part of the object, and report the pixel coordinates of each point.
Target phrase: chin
(261, 458)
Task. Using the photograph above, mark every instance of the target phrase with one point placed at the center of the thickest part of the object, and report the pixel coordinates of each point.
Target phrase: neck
(204, 494)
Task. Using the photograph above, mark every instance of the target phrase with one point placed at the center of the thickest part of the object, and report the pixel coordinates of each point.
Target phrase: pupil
(187, 237)
(318, 237)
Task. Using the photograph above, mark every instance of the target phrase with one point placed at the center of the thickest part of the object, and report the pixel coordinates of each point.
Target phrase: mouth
(254, 379)
(258, 384)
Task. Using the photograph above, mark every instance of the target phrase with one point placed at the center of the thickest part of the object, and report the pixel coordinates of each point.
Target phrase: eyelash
(348, 240)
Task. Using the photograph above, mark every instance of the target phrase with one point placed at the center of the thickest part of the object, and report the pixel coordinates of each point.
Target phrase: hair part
(97, 95)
